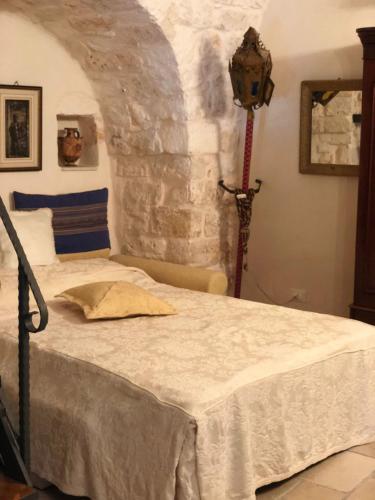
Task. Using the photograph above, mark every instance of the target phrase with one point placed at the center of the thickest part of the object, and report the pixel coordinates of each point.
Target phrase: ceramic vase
(71, 146)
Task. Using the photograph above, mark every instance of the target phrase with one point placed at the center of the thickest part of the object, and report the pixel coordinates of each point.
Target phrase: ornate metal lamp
(250, 73)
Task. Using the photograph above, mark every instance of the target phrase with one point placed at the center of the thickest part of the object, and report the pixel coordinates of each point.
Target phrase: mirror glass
(330, 127)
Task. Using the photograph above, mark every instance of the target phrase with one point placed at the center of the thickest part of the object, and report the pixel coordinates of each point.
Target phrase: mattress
(210, 404)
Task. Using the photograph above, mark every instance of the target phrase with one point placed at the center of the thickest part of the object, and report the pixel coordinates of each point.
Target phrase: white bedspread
(210, 404)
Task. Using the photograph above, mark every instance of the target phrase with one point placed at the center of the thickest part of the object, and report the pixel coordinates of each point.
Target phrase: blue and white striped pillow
(80, 220)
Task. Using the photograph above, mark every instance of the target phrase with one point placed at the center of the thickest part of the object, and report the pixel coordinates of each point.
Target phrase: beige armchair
(192, 278)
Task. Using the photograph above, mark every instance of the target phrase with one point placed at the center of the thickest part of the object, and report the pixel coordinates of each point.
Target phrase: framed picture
(20, 128)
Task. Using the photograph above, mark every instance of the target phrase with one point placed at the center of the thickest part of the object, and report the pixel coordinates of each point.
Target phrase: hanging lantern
(250, 72)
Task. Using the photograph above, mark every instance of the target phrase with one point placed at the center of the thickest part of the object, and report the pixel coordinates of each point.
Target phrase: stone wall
(335, 138)
(159, 70)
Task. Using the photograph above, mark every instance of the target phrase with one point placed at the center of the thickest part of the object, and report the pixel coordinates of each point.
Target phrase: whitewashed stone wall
(159, 69)
(335, 137)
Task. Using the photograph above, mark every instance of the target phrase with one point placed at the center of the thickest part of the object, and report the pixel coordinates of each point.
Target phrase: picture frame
(308, 89)
(20, 128)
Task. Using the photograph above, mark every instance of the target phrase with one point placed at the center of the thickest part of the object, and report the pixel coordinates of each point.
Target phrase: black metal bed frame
(15, 453)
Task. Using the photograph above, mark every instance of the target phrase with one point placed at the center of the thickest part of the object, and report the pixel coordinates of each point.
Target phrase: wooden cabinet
(363, 307)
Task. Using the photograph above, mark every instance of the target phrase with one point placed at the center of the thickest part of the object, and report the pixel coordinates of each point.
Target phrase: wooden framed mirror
(330, 125)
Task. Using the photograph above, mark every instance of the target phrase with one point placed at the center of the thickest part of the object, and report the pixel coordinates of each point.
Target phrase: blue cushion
(80, 221)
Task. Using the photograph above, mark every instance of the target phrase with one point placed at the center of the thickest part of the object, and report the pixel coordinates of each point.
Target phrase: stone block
(324, 158)
(145, 246)
(194, 109)
(189, 14)
(197, 194)
(200, 251)
(174, 137)
(172, 168)
(342, 155)
(336, 124)
(119, 146)
(212, 192)
(227, 164)
(212, 224)
(126, 8)
(336, 139)
(134, 166)
(162, 109)
(102, 62)
(345, 93)
(176, 222)
(135, 224)
(176, 195)
(139, 115)
(230, 138)
(141, 31)
(317, 124)
(47, 13)
(203, 165)
(340, 105)
(354, 155)
(324, 147)
(203, 137)
(233, 18)
(94, 24)
(144, 142)
(189, 192)
(141, 195)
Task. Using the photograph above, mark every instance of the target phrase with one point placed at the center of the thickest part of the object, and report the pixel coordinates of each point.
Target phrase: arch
(149, 62)
(134, 74)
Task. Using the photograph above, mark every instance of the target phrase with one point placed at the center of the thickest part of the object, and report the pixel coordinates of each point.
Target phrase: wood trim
(365, 314)
(367, 36)
(364, 290)
(369, 261)
(39, 165)
(364, 287)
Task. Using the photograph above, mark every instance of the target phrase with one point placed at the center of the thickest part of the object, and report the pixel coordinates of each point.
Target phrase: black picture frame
(21, 128)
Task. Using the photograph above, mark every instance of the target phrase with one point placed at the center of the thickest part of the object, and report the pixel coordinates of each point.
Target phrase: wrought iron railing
(16, 454)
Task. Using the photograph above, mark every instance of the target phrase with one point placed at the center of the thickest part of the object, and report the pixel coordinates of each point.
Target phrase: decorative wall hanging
(20, 128)
(250, 73)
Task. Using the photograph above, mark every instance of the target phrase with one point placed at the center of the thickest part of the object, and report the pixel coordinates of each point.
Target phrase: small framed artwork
(20, 128)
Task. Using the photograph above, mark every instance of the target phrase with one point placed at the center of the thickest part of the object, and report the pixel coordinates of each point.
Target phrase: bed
(212, 403)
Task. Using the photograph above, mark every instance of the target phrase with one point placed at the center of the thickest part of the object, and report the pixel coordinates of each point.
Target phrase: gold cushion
(116, 299)
(193, 278)
(93, 254)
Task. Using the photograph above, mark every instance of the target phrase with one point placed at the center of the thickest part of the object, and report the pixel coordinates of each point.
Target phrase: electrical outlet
(299, 294)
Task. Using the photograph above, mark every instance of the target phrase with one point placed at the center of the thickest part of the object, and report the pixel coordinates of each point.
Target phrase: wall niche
(86, 126)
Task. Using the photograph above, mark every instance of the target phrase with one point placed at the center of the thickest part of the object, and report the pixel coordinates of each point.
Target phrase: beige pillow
(116, 299)
(34, 229)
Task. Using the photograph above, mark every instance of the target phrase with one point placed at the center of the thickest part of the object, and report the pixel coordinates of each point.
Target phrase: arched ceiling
(158, 68)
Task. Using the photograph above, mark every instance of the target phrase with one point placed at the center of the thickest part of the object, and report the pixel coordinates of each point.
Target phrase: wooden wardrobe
(363, 307)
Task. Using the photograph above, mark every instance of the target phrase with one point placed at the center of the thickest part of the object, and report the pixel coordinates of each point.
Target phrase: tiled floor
(349, 475)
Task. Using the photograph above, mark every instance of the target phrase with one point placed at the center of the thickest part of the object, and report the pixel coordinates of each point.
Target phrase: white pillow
(34, 229)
